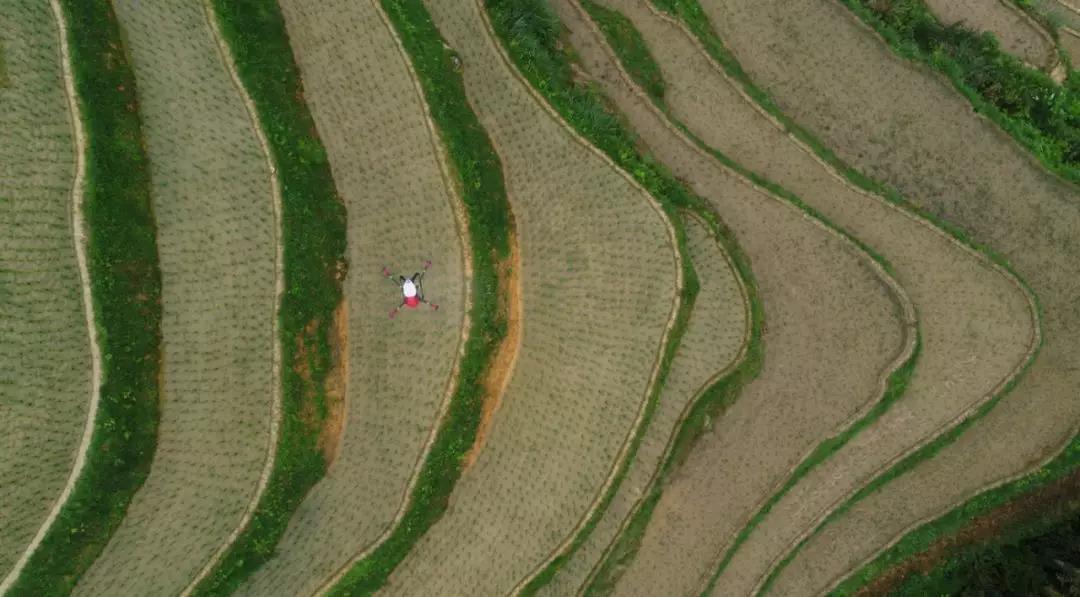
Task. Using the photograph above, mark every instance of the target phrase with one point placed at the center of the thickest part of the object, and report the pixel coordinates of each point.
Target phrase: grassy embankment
(530, 34)
(478, 175)
(693, 16)
(126, 294)
(313, 237)
(638, 62)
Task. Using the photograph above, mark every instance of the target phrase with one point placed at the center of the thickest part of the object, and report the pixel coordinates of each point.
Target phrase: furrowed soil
(45, 363)
(714, 342)
(1018, 34)
(600, 283)
(977, 324)
(402, 211)
(1068, 15)
(834, 330)
(217, 237)
(908, 127)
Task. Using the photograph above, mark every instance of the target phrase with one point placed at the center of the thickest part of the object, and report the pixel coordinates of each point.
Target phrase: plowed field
(1018, 33)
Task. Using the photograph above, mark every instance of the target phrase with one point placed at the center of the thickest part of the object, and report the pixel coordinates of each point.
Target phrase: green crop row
(313, 238)
(125, 286)
(478, 174)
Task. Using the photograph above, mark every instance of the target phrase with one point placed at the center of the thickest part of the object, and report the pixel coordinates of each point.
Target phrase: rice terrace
(539, 297)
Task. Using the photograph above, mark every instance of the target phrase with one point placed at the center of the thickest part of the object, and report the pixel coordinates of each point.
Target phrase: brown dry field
(906, 126)
(833, 332)
(1018, 33)
(968, 309)
(43, 407)
(217, 244)
(599, 278)
(401, 210)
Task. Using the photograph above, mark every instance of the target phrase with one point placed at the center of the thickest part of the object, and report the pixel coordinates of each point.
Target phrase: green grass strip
(478, 174)
(125, 286)
(633, 53)
(1041, 115)
(530, 33)
(313, 237)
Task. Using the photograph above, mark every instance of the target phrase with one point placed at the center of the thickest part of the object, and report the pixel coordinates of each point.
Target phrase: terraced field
(714, 343)
(217, 241)
(712, 302)
(941, 276)
(1018, 33)
(46, 379)
(931, 146)
(672, 556)
(388, 166)
(588, 237)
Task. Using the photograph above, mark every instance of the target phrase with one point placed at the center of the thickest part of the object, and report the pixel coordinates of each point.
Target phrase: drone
(412, 289)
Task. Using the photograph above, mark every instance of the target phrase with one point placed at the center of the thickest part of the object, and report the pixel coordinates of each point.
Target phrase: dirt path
(78, 226)
(501, 368)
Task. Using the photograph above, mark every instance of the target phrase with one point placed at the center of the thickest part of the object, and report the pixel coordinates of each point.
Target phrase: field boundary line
(279, 289)
(635, 429)
(457, 205)
(899, 296)
(78, 229)
(1038, 464)
(981, 259)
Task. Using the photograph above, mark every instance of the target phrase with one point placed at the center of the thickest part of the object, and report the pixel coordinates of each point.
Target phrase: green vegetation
(1040, 114)
(530, 33)
(125, 289)
(313, 237)
(922, 538)
(633, 52)
(1041, 558)
(479, 176)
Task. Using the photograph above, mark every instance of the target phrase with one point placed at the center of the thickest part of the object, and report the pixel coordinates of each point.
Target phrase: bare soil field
(600, 281)
(713, 343)
(217, 242)
(402, 211)
(45, 361)
(824, 298)
(969, 309)
(1018, 33)
(908, 127)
